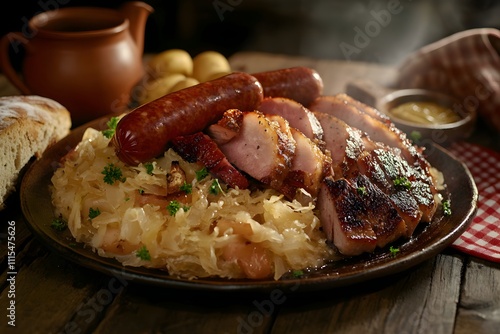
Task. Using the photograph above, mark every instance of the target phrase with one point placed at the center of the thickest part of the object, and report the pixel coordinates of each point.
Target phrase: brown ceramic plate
(427, 242)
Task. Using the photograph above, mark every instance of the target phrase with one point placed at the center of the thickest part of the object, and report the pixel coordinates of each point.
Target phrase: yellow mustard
(425, 113)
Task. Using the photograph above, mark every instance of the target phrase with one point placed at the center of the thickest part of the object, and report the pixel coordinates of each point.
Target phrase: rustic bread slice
(28, 125)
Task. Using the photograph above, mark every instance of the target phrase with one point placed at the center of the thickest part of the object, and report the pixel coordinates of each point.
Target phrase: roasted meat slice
(227, 127)
(296, 114)
(283, 125)
(376, 126)
(399, 171)
(337, 136)
(385, 219)
(353, 153)
(365, 118)
(259, 147)
(199, 147)
(309, 166)
(344, 217)
(344, 143)
(357, 216)
(402, 198)
(344, 99)
(376, 129)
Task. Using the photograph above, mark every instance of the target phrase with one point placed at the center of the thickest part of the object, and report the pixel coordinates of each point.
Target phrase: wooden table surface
(450, 293)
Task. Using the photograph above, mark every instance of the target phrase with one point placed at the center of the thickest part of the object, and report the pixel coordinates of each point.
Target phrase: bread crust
(28, 125)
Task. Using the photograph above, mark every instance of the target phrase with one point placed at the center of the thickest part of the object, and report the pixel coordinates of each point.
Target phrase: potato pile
(174, 69)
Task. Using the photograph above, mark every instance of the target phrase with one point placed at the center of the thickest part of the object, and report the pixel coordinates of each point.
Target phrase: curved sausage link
(302, 84)
(146, 131)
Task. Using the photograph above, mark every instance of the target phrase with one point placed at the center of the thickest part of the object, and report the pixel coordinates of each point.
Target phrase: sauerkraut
(220, 232)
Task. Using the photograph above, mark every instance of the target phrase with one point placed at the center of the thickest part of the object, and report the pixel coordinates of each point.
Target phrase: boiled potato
(169, 62)
(209, 63)
(187, 82)
(160, 86)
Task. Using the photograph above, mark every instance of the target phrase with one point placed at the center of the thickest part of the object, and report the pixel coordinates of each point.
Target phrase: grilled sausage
(301, 84)
(146, 131)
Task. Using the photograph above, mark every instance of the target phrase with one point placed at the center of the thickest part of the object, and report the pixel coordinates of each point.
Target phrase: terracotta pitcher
(86, 58)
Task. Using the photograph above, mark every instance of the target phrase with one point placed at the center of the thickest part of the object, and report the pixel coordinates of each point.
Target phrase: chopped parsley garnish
(298, 273)
(447, 208)
(402, 182)
(361, 190)
(215, 187)
(141, 191)
(112, 173)
(94, 213)
(59, 224)
(175, 206)
(143, 254)
(394, 250)
(201, 174)
(110, 131)
(187, 188)
(149, 168)
(415, 136)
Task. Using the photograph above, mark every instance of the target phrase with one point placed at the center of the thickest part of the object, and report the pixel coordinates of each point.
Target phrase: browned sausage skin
(145, 132)
(302, 84)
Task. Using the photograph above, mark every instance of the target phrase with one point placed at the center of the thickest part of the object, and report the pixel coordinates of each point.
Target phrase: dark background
(295, 27)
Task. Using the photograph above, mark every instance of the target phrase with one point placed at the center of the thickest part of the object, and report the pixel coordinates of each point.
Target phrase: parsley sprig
(143, 254)
(149, 168)
(402, 182)
(112, 173)
(415, 136)
(201, 174)
(94, 213)
(393, 250)
(361, 191)
(215, 187)
(447, 208)
(110, 131)
(187, 187)
(59, 224)
(174, 206)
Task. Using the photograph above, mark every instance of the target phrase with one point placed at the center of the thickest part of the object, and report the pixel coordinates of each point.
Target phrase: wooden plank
(148, 309)
(429, 305)
(479, 308)
(51, 294)
(422, 300)
(12, 225)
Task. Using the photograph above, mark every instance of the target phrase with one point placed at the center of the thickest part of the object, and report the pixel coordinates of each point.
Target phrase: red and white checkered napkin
(482, 237)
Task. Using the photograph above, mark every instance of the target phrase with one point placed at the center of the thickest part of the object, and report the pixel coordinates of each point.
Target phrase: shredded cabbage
(202, 238)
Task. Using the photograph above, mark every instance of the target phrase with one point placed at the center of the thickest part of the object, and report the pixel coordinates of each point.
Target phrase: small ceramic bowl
(386, 99)
(439, 133)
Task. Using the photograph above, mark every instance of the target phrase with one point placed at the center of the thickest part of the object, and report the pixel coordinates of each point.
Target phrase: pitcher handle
(5, 63)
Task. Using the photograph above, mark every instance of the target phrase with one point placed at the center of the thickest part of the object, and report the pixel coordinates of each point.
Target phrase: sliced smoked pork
(376, 129)
(344, 218)
(344, 143)
(379, 131)
(357, 216)
(259, 147)
(296, 114)
(309, 166)
(199, 147)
